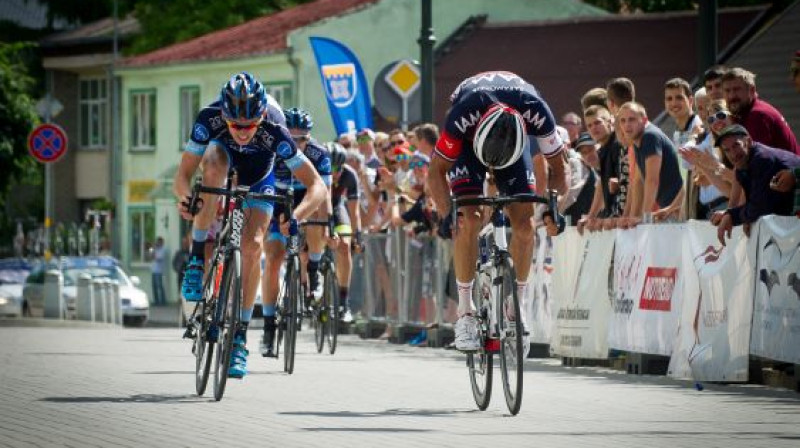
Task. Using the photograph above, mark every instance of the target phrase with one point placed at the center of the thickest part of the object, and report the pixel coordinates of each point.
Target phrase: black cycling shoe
(267, 345)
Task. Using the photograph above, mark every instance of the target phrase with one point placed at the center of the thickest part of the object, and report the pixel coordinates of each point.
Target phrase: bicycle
(325, 313)
(496, 292)
(289, 313)
(216, 316)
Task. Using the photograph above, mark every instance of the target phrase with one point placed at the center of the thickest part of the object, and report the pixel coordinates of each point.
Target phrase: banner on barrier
(647, 289)
(776, 314)
(714, 328)
(582, 317)
(540, 301)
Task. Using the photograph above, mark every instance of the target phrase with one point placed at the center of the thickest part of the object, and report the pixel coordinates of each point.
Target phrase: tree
(165, 22)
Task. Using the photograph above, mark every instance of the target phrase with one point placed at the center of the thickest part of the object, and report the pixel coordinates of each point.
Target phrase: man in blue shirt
(756, 166)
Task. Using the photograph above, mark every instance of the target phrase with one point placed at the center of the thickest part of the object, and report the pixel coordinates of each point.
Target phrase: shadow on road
(386, 413)
(139, 398)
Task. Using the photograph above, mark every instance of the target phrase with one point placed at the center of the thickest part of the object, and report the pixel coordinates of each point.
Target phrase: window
(94, 113)
(143, 126)
(142, 231)
(190, 105)
(282, 92)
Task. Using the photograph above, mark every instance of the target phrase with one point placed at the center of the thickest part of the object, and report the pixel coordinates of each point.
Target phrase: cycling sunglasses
(300, 138)
(721, 115)
(240, 126)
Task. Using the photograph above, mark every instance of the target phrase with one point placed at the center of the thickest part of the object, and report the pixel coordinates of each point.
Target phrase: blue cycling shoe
(192, 286)
(238, 368)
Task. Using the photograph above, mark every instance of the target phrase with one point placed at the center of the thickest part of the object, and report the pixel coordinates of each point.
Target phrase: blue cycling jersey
(475, 95)
(317, 155)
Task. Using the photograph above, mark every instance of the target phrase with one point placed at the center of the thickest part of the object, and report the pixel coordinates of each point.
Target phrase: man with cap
(756, 167)
(366, 144)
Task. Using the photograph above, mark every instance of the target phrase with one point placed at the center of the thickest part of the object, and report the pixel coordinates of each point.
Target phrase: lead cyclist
(233, 133)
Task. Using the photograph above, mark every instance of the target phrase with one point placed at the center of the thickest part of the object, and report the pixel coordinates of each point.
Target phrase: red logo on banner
(657, 291)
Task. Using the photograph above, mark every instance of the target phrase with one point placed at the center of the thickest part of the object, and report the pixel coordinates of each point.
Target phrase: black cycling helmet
(298, 119)
(243, 97)
(337, 153)
(499, 137)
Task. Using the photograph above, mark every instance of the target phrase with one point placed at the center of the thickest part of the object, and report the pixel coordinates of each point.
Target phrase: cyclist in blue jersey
(299, 123)
(494, 120)
(345, 192)
(243, 131)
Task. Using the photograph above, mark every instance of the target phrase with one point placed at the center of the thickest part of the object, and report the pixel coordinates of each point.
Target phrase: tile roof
(264, 35)
(103, 28)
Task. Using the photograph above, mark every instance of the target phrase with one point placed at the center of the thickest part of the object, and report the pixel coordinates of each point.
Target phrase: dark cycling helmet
(337, 152)
(243, 98)
(499, 137)
(298, 119)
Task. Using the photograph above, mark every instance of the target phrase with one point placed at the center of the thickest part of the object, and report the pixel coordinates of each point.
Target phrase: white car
(13, 272)
(135, 305)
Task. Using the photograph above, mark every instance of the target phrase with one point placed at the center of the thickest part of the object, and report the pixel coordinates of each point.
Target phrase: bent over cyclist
(240, 131)
(488, 127)
(299, 123)
(346, 222)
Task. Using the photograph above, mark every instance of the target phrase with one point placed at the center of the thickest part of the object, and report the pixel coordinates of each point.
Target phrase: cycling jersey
(254, 162)
(317, 155)
(475, 95)
(346, 187)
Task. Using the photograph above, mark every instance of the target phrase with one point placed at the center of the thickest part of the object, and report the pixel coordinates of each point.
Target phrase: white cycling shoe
(467, 337)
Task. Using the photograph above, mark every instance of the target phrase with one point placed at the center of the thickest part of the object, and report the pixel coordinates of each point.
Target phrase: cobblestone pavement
(110, 387)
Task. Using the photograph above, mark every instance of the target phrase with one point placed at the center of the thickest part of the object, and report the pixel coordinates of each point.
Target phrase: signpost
(404, 78)
(47, 143)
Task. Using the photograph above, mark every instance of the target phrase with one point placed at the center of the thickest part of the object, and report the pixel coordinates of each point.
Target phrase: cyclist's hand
(357, 244)
(555, 225)
(185, 209)
(284, 225)
(333, 241)
(445, 229)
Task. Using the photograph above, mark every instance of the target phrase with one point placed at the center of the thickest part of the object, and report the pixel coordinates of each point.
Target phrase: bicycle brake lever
(558, 218)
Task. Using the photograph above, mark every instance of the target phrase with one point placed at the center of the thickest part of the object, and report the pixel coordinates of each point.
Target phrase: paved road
(106, 387)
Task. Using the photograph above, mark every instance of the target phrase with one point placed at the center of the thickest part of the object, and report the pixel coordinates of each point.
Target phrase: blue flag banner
(345, 85)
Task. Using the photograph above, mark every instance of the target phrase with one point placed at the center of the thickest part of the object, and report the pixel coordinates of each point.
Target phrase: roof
(100, 30)
(574, 55)
(264, 35)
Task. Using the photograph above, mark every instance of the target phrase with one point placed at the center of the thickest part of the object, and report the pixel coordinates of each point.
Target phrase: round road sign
(47, 143)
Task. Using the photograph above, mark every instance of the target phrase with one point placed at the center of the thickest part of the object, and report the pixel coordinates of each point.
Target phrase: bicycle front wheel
(227, 313)
(481, 364)
(318, 316)
(291, 302)
(203, 345)
(331, 298)
(510, 333)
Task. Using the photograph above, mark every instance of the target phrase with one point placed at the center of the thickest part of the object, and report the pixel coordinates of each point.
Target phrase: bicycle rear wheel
(331, 299)
(510, 333)
(481, 364)
(203, 319)
(318, 316)
(291, 304)
(227, 312)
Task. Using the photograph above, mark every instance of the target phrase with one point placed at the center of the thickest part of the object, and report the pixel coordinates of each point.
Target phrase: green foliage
(165, 22)
(628, 6)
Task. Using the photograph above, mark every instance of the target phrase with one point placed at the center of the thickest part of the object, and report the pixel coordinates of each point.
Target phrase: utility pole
(426, 42)
(707, 31)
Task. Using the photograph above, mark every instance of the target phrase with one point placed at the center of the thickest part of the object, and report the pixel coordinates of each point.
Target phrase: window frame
(138, 256)
(149, 146)
(85, 141)
(185, 134)
(286, 99)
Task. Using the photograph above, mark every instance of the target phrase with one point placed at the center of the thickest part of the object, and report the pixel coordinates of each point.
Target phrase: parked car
(135, 305)
(13, 272)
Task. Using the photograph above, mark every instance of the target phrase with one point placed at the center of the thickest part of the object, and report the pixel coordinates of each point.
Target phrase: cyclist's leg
(520, 214)
(214, 166)
(315, 238)
(466, 179)
(344, 257)
(275, 252)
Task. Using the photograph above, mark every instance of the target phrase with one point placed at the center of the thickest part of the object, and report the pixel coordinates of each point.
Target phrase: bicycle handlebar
(498, 201)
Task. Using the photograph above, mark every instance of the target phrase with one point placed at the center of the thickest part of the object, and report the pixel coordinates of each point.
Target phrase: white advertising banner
(567, 250)
(540, 304)
(776, 314)
(647, 295)
(582, 318)
(714, 328)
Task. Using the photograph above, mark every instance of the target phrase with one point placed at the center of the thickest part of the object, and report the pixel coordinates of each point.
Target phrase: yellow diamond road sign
(404, 78)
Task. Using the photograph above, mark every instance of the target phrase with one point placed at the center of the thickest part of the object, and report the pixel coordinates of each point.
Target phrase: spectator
(181, 258)
(346, 140)
(678, 100)
(710, 198)
(573, 124)
(609, 199)
(757, 167)
(763, 122)
(583, 163)
(158, 255)
(594, 96)
(658, 178)
(427, 136)
(712, 81)
(621, 91)
(366, 144)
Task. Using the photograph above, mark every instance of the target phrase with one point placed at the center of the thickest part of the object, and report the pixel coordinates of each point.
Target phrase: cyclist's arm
(354, 209)
(316, 191)
(558, 173)
(437, 180)
(181, 184)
